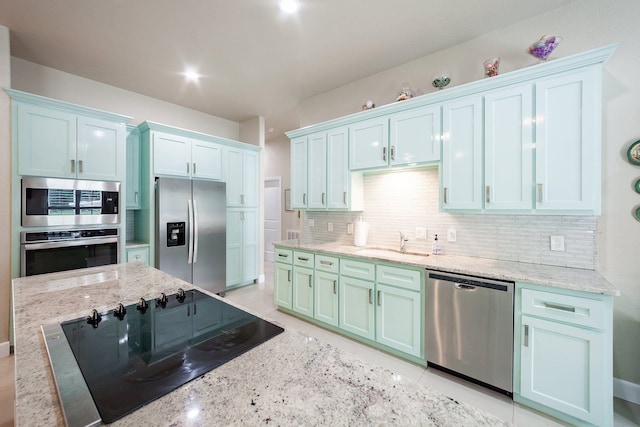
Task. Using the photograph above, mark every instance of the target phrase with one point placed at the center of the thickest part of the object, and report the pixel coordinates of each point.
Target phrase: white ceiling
(254, 59)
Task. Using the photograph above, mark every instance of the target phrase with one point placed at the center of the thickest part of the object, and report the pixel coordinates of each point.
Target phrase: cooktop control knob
(94, 319)
(120, 311)
(162, 301)
(142, 305)
(181, 295)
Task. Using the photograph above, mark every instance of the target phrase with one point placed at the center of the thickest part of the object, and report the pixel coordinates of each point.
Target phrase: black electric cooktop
(133, 355)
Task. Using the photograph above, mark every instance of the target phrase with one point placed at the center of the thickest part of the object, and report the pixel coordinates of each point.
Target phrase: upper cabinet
(414, 136)
(369, 144)
(177, 155)
(241, 174)
(61, 140)
(133, 168)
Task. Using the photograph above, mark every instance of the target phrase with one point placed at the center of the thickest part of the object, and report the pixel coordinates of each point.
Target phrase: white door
(272, 208)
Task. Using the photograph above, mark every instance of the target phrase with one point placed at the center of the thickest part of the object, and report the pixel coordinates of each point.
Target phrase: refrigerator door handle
(190, 260)
(195, 231)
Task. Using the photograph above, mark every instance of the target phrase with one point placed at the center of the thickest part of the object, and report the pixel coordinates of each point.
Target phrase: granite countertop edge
(539, 274)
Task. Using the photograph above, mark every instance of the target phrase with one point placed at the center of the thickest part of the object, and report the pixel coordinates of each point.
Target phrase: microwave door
(174, 206)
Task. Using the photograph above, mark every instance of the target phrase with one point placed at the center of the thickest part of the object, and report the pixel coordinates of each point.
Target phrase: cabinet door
(171, 155)
(326, 297)
(101, 150)
(462, 154)
(234, 247)
(561, 368)
(133, 170)
(299, 173)
(303, 291)
(250, 173)
(138, 255)
(415, 136)
(338, 174)
(250, 245)
(356, 307)
(206, 159)
(568, 133)
(398, 320)
(317, 171)
(233, 176)
(508, 158)
(369, 142)
(46, 142)
(283, 292)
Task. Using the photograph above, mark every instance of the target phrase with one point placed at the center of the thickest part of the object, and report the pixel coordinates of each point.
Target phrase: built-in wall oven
(69, 202)
(60, 250)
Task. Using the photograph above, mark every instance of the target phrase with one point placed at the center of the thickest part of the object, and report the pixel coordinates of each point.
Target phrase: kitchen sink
(389, 254)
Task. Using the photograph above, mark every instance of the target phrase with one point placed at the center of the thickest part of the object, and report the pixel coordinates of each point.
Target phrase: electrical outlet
(421, 233)
(329, 226)
(350, 228)
(557, 243)
(312, 223)
(452, 235)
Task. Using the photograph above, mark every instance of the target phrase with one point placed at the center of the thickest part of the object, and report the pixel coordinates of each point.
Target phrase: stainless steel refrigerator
(191, 231)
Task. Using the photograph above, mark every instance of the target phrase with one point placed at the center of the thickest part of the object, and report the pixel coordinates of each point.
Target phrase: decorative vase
(542, 48)
(491, 67)
(441, 80)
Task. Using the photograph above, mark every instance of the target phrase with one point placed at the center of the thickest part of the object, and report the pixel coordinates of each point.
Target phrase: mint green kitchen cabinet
(242, 247)
(462, 146)
(568, 134)
(317, 171)
(177, 155)
(303, 273)
(357, 310)
(415, 136)
(138, 254)
(326, 287)
(241, 171)
(133, 168)
(299, 173)
(563, 354)
(63, 144)
(398, 319)
(369, 143)
(283, 283)
(344, 191)
(508, 148)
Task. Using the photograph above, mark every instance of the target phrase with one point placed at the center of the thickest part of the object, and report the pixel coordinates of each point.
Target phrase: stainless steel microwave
(54, 201)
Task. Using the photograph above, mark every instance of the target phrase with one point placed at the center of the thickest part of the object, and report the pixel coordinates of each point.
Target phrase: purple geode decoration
(542, 48)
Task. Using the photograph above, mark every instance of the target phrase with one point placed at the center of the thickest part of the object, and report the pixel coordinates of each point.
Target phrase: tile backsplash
(403, 200)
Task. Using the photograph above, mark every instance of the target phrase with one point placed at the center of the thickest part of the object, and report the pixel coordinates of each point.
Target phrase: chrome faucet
(403, 239)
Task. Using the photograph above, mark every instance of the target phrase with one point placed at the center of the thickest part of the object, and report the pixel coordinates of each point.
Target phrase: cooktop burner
(133, 355)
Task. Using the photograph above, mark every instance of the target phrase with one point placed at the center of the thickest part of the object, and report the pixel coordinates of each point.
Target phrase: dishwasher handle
(463, 287)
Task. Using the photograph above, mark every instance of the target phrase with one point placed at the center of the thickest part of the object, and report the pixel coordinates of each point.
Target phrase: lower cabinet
(563, 353)
(398, 319)
(283, 291)
(303, 291)
(242, 246)
(138, 254)
(357, 314)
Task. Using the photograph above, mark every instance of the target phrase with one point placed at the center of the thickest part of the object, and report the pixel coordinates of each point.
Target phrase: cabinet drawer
(284, 255)
(400, 277)
(327, 263)
(357, 269)
(577, 310)
(303, 259)
(138, 255)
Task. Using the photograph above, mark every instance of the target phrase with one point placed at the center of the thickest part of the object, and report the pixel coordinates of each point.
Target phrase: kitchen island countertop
(292, 379)
(559, 277)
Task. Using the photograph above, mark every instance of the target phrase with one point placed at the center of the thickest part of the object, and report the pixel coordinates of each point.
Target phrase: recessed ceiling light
(191, 75)
(289, 6)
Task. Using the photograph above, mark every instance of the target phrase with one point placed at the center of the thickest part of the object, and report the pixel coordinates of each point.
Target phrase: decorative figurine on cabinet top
(405, 93)
(441, 80)
(368, 105)
(491, 67)
(542, 48)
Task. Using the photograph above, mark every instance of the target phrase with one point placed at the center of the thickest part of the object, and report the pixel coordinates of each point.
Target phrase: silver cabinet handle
(310, 282)
(194, 168)
(187, 167)
(539, 193)
(559, 307)
(135, 197)
(323, 198)
(288, 275)
(79, 166)
(393, 152)
(242, 200)
(344, 197)
(304, 198)
(73, 166)
(326, 263)
(526, 335)
(488, 193)
(283, 255)
(384, 153)
(445, 195)
(335, 287)
(303, 259)
(370, 296)
(378, 297)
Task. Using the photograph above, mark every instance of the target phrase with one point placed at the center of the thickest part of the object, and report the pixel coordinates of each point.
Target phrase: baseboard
(626, 390)
(261, 278)
(5, 349)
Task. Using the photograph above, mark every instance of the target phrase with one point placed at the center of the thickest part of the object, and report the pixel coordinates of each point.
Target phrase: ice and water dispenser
(176, 233)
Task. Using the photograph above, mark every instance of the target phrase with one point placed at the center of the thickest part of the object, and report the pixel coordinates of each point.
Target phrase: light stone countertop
(291, 379)
(558, 277)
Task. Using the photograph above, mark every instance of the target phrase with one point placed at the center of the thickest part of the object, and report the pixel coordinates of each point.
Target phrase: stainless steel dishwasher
(469, 328)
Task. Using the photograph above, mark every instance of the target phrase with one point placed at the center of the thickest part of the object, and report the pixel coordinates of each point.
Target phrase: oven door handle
(67, 243)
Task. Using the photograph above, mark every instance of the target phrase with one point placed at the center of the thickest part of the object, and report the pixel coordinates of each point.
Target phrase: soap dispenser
(435, 248)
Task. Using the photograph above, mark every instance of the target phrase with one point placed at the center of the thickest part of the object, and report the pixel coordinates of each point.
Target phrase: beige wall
(585, 25)
(5, 185)
(45, 81)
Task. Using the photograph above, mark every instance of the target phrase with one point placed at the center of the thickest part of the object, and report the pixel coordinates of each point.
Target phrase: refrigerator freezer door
(173, 197)
(209, 267)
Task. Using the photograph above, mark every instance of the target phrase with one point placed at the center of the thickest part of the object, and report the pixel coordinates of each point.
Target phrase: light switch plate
(329, 226)
(557, 243)
(350, 228)
(421, 233)
(452, 235)
(312, 223)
